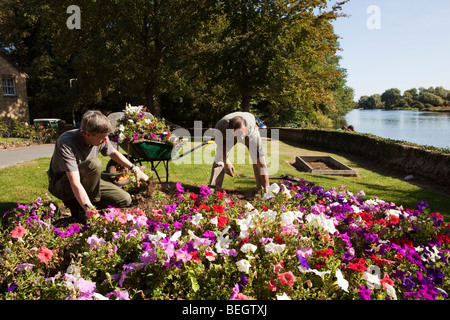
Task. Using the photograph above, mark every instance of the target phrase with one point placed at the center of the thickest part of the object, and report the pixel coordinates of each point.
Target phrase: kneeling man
(75, 170)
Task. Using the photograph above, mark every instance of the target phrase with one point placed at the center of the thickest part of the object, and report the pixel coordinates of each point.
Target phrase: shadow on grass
(6, 206)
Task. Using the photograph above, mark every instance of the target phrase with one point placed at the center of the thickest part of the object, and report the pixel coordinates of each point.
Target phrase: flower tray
(326, 165)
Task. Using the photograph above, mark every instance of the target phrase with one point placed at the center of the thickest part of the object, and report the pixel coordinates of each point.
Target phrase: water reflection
(426, 128)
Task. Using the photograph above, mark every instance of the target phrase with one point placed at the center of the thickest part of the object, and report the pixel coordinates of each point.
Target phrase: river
(425, 128)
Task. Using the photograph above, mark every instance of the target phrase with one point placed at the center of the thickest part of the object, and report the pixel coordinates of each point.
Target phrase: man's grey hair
(95, 122)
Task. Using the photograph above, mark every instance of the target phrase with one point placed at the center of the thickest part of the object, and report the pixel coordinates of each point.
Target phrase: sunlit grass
(23, 183)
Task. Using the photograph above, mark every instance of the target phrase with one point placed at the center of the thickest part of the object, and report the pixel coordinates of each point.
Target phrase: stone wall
(13, 107)
(411, 159)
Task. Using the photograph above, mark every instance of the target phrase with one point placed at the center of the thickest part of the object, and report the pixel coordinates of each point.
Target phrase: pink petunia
(45, 254)
(272, 285)
(18, 232)
(182, 255)
(287, 278)
(122, 217)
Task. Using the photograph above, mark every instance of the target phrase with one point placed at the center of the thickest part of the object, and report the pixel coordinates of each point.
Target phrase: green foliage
(201, 58)
(431, 99)
(22, 133)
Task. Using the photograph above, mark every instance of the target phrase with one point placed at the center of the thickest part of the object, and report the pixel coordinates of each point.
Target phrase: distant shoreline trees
(421, 99)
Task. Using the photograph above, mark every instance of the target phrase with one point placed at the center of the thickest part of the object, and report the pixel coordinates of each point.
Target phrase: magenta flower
(364, 293)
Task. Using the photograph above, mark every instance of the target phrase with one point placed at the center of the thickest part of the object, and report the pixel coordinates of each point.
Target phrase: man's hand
(229, 169)
(139, 174)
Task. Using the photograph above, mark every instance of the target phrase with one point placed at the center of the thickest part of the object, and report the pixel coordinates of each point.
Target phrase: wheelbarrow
(144, 151)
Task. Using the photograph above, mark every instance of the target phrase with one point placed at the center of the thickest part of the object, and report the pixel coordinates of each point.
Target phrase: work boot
(76, 210)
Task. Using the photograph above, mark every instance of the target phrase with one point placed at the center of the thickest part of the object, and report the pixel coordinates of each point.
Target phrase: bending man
(232, 128)
(75, 170)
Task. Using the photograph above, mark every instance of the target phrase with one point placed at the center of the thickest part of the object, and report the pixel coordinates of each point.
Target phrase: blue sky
(407, 47)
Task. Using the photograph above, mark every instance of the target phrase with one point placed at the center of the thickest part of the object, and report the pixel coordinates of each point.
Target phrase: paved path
(15, 156)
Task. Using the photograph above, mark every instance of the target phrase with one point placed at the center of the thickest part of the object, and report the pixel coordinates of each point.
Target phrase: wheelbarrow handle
(195, 148)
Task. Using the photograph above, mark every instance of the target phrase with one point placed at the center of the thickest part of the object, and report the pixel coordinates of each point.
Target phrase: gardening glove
(229, 169)
(138, 173)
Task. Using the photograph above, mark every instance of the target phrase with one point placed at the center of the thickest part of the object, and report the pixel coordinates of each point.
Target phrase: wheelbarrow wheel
(112, 170)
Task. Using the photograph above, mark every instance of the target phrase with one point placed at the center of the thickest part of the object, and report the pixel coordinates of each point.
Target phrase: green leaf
(195, 285)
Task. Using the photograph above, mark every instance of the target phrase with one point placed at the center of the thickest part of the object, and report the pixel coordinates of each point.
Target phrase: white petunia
(342, 283)
(289, 217)
(272, 190)
(248, 247)
(175, 236)
(274, 248)
(393, 212)
(284, 296)
(372, 280)
(196, 219)
(391, 291)
(243, 265)
(317, 272)
(286, 191)
(269, 215)
(322, 221)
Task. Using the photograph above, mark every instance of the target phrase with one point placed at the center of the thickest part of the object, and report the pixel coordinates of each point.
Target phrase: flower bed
(299, 242)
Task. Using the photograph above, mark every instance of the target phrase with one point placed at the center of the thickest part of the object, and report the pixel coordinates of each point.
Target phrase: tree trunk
(152, 100)
(245, 104)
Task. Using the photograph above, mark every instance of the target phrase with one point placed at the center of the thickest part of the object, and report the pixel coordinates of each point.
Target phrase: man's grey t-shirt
(253, 138)
(252, 128)
(71, 150)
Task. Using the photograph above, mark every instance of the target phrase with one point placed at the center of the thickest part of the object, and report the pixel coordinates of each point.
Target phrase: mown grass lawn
(25, 182)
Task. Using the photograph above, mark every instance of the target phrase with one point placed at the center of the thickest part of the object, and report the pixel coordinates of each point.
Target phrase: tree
(275, 51)
(28, 34)
(370, 102)
(391, 97)
(432, 99)
(195, 57)
(135, 50)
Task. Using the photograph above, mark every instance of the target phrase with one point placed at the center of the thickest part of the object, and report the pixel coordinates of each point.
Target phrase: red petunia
(218, 208)
(222, 221)
(381, 262)
(194, 256)
(443, 238)
(359, 261)
(365, 216)
(356, 266)
(201, 206)
(219, 195)
(325, 253)
(279, 240)
(193, 196)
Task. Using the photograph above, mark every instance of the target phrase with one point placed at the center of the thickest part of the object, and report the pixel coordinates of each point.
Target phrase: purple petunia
(364, 293)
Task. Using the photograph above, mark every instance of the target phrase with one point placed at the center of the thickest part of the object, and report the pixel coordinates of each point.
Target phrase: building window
(9, 87)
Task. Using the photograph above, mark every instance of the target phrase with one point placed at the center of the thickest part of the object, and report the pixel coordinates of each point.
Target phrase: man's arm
(78, 190)
(121, 159)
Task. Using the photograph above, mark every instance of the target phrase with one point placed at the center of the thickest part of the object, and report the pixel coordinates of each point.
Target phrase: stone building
(13, 93)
